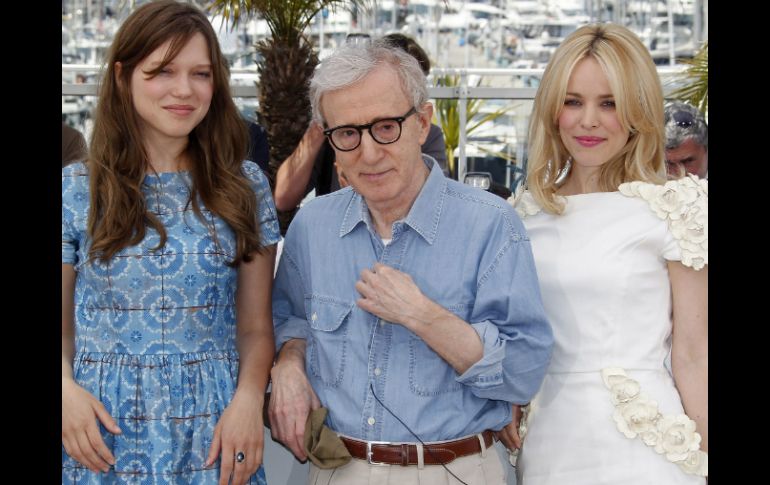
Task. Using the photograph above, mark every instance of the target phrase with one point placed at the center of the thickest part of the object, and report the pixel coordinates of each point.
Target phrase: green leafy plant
(448, 117)
(696, 91)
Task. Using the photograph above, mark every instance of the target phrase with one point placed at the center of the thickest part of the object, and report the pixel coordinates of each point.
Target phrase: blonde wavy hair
(117, 160)
(638, 95)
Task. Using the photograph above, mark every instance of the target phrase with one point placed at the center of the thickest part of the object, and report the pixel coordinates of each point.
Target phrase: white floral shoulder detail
(683, 204)
(637, 416)
(523, 202)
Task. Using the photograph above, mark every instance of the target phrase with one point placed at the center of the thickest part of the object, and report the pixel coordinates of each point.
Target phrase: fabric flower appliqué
(523, 202)
(683, 204)
(635, 415)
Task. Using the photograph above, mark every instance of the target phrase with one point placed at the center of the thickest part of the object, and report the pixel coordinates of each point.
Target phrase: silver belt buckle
(369, 452)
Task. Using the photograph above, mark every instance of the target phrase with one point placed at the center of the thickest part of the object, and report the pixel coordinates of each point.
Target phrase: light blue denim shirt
(467, 250)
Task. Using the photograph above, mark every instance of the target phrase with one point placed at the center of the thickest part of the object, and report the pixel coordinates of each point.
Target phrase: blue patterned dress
(155, 331)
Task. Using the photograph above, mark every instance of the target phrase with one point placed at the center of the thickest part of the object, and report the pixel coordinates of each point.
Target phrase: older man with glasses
(687, 142)
(408, 303)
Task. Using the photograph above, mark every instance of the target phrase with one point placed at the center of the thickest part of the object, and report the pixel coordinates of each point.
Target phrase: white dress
(608, 411)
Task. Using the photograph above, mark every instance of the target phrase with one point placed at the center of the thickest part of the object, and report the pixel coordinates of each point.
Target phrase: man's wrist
(292, 352)
(425, 315)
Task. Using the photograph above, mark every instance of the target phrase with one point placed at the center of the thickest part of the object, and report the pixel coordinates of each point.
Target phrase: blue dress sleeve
(74, 211)
(268, 218)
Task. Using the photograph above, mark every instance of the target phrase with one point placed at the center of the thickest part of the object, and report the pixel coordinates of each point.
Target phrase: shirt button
(370, 421)
(377, 371)
(314, 316)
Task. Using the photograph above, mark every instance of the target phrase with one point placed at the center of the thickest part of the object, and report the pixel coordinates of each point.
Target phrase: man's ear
(425, 115)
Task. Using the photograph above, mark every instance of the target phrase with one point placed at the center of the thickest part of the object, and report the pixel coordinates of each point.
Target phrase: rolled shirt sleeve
(509, 319)
(289, 319)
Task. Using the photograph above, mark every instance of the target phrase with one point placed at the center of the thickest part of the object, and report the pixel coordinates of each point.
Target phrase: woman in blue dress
(168, 246)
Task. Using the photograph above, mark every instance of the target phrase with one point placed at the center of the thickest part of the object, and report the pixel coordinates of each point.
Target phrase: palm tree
(696, 92)
(286, 65)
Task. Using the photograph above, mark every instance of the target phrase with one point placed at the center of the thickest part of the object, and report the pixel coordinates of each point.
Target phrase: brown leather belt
(405, 454)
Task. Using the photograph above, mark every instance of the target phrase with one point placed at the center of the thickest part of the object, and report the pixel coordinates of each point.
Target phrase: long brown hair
(638, 95)
(118, 161)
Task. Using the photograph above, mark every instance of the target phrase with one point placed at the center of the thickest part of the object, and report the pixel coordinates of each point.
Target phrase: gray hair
(352, 62)
(684, 121)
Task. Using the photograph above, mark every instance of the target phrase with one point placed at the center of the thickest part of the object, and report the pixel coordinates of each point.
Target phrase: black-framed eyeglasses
(346, 138)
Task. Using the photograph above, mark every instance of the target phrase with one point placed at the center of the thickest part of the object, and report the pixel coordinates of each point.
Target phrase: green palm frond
(449, 118)
(696, 91)
(286, 19)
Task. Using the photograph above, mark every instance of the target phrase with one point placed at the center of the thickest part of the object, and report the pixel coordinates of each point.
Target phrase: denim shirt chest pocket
(328, 318)
(429, 373)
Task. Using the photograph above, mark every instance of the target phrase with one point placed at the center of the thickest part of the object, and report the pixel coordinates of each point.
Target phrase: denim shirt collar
(424, 215)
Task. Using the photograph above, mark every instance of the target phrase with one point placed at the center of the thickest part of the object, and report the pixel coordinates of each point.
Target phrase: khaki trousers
(483, 468)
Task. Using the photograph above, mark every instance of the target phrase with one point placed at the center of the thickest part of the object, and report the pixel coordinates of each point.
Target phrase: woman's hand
(509, 435)
(79, 432)
(239, 430)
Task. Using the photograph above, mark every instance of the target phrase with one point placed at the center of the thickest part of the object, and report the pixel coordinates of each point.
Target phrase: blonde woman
(622, 261)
